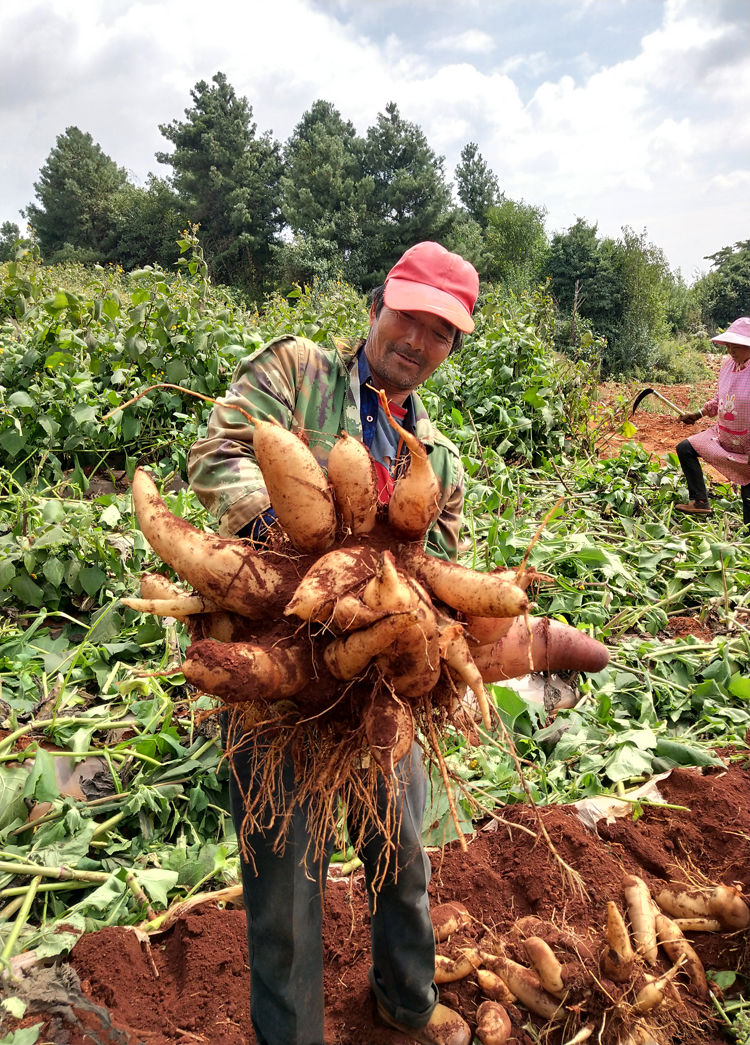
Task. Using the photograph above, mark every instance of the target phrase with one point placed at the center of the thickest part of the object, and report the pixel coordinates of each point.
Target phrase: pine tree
(410, 198)
(325, 196)
(227, 180)
(75, 190)
(476, 184)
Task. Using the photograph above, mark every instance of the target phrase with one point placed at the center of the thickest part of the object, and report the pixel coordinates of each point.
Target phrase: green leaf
(628, 763)
(111, 515)
(50, 426)
(7, 572)
(53, 537)
(739, 686)
(92, 579)
(58, 359)
(12, 441)
(15, 1007)
(176, 371)
(22, 400)
(23, 1036)
(42, 780)
(680, 753)
(53, 511)
(131, 426)
(106, 624)
(52, 940)
(106, 899)
(723, 978)
(54, 571)
(157, 883)
(12, 806)
(29, 593)
(438, 827)
(58, 302)
(64, 841)
(83, 412)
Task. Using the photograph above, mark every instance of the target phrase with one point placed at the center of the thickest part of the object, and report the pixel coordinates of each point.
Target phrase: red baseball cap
(428, 278)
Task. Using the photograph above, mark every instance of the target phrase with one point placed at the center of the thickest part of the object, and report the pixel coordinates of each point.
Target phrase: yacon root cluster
(342, 634)
(579, 985)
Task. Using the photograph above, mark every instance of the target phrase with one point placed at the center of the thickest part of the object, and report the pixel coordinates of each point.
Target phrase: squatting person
(416, 319)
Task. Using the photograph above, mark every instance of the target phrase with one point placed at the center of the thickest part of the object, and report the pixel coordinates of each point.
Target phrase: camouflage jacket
(316, 390)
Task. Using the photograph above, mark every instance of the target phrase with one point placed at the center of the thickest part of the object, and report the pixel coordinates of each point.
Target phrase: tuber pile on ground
(341, 638)
(622, 983)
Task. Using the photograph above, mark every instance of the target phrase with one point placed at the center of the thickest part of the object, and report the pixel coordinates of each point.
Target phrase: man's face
(404, 348)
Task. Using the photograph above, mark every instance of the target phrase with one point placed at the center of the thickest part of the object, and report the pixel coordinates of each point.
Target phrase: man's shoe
(444, 1027)
(695, 508)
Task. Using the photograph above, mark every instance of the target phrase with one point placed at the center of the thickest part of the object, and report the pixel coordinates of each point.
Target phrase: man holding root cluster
(416, 320)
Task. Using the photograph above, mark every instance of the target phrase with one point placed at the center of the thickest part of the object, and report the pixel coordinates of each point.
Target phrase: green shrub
(677, 363)
(507, 384)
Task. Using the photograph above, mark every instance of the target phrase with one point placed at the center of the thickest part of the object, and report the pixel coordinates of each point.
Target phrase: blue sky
(624, 112)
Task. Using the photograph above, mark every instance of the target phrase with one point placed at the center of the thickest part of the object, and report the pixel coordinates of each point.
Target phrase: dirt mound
(190, 983)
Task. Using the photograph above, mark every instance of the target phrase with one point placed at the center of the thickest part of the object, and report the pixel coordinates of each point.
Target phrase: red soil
(658, 429)
(190, 983)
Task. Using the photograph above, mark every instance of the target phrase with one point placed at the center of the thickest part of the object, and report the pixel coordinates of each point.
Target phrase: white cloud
(471, 41)
(534, 64)
(658, 139)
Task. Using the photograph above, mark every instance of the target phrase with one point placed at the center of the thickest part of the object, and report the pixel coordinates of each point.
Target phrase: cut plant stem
(60, 872)
(176, 388)
(22, 731)
(10, 909)
(45, 887)
(64, 873)
(20, 921)
(538, 534)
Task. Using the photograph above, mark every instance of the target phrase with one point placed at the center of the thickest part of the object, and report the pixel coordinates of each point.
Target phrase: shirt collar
(369, 398)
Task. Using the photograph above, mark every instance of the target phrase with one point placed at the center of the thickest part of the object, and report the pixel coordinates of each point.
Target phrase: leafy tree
(466, 237)
(410, 198)
(516, 243)
(476, 184)
(623, 288)
(324, 196)
(227, 179)
(584, 278)
(646, 282)
(75, 190)
(573, 260)
(10, 234)
(683, 308)
(724, 293)
(146, 223)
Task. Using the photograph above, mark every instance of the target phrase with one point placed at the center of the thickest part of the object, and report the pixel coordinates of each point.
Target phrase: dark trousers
(283, 898)
(696, 484)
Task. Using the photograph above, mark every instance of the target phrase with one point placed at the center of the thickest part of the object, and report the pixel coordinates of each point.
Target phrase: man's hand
(689, 419)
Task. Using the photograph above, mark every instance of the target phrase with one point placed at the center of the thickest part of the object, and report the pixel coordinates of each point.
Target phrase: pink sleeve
(711, 408)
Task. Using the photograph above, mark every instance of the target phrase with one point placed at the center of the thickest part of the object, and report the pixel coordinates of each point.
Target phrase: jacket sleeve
(222, 469)
(442, 538)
